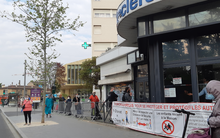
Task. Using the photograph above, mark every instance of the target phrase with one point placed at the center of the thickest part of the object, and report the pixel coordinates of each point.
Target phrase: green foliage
(0, 85)
(64, 95)
(90, 73)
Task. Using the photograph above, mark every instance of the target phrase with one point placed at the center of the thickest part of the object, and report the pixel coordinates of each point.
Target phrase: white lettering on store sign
(129, 6)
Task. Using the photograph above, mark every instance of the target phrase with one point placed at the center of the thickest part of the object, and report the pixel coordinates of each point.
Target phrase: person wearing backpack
(111, 96)
(127, 95)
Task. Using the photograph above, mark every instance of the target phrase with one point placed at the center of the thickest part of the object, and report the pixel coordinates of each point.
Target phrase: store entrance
(142, 91)
(141, 84)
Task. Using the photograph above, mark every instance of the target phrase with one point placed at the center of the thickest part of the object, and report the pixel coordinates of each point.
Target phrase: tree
(43, 21)
(60, 76)
(90, 74)
(0, 85)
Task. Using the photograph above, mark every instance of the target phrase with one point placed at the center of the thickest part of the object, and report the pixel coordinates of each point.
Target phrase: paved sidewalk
(60, 126)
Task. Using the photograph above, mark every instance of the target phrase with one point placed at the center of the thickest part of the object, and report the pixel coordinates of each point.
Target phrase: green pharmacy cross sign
(85, 45)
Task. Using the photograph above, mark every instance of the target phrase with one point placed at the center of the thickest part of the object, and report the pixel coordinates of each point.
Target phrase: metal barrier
(61, 106)
(103, 112)
(100, 111)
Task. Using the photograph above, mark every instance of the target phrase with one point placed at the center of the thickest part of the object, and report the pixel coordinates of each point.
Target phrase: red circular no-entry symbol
(168, 127)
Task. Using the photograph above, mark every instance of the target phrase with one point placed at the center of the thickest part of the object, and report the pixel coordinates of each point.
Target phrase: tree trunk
(45, 64)
(45, 85)
(100, 88)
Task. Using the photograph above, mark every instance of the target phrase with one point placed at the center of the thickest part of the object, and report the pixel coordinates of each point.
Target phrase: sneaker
(50, 116)
(25, 124)
(29, 124)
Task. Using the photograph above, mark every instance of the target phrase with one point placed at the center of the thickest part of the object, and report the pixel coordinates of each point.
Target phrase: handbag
(200, 133)
(23, 106)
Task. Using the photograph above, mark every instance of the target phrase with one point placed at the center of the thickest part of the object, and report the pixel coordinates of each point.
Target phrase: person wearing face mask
(68, 105)
(48, 105)
(208, 97)
(27, 103)
(213, 87)
(94, 100)
(111, 96)
(76, 99)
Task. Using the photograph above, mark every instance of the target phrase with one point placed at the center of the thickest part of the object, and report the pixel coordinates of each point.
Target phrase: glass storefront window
(76, 74)
(175, 50)
(72, 76)
(205, 74)
(206, 13)
(131, 57)
(169, 21)
(141, 29)
(142, 91)
(208, 45)
(177, 83)
(142, 71)
(139, 57)
(68, 74)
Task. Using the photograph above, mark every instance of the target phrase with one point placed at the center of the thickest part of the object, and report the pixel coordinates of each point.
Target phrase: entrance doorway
(142, 91)
(141, 83)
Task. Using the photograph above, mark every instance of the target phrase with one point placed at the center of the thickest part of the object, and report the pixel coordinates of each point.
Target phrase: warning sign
(168, 123)
(168, 127)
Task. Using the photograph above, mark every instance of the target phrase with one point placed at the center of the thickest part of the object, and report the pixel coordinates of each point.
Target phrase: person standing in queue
(213, 87)
(27, 104)
(76, 99)
(94, 100)
(127, 95)
(111, 96)
(48, 105)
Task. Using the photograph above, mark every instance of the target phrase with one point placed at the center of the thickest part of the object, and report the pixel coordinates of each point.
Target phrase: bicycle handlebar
(183, 111)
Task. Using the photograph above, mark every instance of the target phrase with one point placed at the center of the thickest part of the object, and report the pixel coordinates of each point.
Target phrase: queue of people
(26, 103)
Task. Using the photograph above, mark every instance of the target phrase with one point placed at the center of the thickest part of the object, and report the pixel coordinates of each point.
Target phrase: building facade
(19, 89)
(104, 32)
(74, 84)
(180, 43)
(115, 72)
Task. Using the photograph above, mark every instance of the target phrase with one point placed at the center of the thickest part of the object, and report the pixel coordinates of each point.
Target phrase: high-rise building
(104, 32)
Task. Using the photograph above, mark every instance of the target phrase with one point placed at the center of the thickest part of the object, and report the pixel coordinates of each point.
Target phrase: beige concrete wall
(108, 25)
(106, 4)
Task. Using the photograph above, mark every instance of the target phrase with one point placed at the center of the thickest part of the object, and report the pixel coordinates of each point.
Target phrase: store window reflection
(169, 21)
(177, 83)
(205, 74)
(208, 45)
(175, 50)
(204, 13)
(142, 71)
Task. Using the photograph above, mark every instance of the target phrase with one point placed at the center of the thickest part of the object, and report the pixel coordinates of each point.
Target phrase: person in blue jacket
(208, 97)
(48, 105)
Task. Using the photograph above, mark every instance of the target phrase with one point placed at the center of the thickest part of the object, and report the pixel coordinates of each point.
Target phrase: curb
(106, 124)
(20, 133)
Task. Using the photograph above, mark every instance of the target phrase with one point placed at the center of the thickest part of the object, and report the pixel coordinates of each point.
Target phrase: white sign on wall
(170, 92)
(177, 80)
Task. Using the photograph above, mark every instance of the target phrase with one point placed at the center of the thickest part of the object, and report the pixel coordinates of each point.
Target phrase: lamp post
(24, 77)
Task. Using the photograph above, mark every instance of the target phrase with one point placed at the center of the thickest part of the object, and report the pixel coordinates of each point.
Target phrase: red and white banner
(159, 118)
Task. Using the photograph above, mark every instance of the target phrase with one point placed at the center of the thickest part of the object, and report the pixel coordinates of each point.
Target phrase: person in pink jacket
(213, 87)
(28, 108)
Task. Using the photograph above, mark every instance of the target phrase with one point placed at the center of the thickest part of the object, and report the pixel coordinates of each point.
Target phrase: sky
(13, 42)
